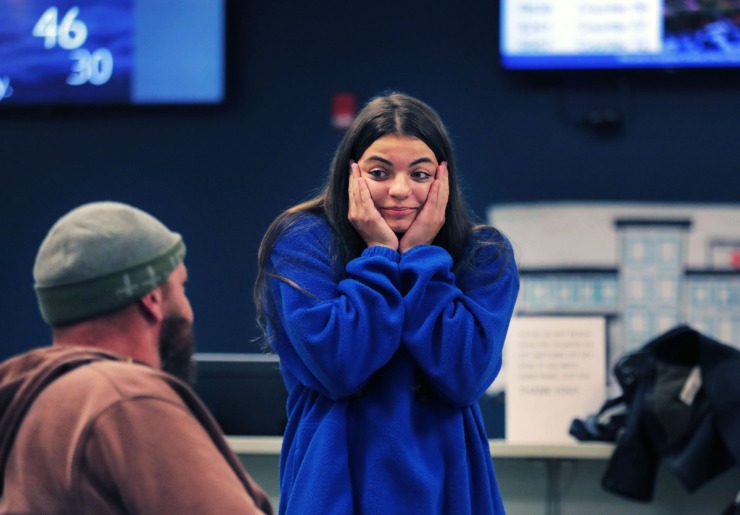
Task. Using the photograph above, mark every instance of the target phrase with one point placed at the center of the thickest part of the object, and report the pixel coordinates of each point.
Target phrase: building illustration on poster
(644, 267)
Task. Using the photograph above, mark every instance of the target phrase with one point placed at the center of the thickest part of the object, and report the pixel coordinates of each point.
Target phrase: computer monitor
(245, 392)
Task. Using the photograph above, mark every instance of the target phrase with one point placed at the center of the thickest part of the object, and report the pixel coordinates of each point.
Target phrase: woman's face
(399, 170)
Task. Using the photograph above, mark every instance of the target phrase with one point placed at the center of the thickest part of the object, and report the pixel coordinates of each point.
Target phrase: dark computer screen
(245, 392)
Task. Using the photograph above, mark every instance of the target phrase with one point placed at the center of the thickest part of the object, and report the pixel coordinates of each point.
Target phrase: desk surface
(499, 448)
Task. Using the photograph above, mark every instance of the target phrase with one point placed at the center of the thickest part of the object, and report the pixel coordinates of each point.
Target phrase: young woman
(388, 309)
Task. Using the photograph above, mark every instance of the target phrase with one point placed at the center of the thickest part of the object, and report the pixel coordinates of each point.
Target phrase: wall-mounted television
(115, 52)
(619, 34)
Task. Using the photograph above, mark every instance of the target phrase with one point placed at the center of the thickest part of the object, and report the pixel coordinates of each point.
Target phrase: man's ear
(151, 304)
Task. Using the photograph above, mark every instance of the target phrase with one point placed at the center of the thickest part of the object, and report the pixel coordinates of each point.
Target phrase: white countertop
(499, 448)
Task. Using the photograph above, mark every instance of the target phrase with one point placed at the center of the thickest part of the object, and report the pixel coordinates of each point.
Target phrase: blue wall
(220, 175)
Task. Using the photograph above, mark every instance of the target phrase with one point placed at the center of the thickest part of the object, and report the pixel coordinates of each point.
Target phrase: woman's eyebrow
(389, 163)
(421, 160)
(381, 159)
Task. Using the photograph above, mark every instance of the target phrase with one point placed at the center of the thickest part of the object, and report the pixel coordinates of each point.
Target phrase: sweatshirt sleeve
(455, 326)
(333, 335)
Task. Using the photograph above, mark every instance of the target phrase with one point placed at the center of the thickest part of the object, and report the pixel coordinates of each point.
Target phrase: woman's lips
(399, 211)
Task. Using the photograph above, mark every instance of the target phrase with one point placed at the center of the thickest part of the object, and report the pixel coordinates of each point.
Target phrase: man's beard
(176, 347)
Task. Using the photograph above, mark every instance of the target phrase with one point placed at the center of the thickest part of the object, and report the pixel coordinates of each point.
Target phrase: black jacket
(692, 427)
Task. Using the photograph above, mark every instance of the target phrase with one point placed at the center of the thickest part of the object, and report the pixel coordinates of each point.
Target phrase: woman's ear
(151, 304)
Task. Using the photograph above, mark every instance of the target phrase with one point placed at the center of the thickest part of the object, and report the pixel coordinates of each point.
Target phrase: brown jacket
(83, 431)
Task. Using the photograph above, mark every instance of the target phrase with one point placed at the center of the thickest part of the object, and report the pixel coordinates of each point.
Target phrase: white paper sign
(555, 372)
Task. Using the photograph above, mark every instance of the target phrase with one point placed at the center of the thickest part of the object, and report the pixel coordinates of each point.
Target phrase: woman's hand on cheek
(431, 218)
(364, 216)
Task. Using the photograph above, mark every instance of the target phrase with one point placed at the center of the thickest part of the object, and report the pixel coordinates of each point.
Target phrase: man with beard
(102, 421)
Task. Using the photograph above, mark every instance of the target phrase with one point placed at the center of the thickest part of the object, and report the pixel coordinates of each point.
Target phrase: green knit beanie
(100, 257)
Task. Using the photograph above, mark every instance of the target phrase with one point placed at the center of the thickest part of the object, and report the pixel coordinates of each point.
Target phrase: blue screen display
(55, 52)
(614, 34)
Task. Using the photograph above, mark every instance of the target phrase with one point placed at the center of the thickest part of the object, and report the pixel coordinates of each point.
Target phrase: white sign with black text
(555, 372)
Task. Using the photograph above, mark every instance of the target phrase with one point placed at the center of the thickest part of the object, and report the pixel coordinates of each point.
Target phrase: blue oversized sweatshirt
(384, 367)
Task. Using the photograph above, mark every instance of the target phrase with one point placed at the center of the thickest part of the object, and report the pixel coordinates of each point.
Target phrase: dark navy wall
(220, 175)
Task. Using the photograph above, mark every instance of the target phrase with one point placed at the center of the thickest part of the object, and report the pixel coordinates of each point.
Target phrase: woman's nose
(399, 187)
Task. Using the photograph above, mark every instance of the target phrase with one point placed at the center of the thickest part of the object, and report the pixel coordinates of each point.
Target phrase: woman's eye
(376, 173)
(421, 175)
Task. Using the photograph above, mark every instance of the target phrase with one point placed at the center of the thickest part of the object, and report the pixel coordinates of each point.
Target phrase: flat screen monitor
(114, 52)
(245, 392)
(619, 34)
(247, 397)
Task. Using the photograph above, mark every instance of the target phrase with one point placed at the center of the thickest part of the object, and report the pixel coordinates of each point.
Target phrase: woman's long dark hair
(390, 114)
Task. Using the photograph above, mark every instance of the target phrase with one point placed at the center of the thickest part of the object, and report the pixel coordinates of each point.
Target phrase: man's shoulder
(71, 403)
(110, 381)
